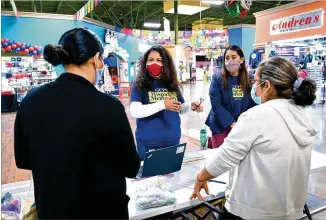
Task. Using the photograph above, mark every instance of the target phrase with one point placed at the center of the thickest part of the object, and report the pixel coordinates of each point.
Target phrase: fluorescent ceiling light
(188, 9)
(152, 25)
(214, 2)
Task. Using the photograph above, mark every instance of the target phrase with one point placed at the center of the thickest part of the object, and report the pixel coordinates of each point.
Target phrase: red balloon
(9, 48)
(38, 55)
(13, 46)
(18, 44)
(2, 40)
(23, 43)
(6, 40)
(26, 51)
(36, 47)
(31, 49)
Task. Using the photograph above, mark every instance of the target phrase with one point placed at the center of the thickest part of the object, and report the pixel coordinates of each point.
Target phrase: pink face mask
(233, 66)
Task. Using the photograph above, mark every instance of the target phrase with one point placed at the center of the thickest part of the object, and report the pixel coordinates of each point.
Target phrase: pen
(200, 102)
(216, 181)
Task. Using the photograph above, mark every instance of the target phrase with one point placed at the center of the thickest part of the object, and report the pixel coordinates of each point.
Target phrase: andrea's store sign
(313, 19)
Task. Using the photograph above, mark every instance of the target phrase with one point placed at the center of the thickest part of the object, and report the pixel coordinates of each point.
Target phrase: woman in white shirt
(268, 152)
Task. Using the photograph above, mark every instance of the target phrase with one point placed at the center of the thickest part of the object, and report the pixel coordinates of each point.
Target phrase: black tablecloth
(9, 103)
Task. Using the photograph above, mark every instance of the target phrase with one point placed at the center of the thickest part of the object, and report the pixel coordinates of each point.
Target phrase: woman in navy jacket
(229, 94)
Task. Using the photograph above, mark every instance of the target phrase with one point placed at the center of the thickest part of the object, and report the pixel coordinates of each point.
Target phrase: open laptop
(162, 161)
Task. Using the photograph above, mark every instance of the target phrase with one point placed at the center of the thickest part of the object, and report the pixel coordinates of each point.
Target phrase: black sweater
(79, 145)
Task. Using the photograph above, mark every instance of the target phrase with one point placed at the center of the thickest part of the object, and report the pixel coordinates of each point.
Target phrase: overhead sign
(313, 19)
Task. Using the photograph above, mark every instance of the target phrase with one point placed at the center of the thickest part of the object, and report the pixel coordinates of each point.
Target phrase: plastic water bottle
(203, 138)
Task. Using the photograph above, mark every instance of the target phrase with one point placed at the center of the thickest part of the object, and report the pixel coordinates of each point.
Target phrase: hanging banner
(313, 19)
(127, 31)
(166, 28)
(86, 9)
(136, 32)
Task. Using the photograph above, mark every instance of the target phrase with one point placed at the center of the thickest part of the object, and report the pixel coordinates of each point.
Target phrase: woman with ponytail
(268, 153)
(71, 137)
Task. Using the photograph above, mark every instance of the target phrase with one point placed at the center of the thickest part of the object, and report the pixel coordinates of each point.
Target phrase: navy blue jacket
(222, 114)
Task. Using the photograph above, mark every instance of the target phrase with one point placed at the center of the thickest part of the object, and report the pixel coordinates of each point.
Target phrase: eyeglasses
(253, 81)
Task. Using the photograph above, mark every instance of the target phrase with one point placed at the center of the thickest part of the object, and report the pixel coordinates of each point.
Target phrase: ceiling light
(152, 25)
(187, 10)
(214, 2)
(185, 7)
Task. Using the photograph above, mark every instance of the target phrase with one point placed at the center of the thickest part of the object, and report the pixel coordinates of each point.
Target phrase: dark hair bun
(56, 54)
(305, 95)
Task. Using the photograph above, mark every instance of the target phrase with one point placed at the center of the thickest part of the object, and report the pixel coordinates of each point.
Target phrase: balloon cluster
(21, 48)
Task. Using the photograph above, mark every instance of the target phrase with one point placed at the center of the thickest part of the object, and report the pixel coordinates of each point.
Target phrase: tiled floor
(191, 124)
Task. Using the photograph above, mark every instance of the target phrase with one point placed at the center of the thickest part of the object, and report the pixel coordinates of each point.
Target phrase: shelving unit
(315, 72)
(21, 74)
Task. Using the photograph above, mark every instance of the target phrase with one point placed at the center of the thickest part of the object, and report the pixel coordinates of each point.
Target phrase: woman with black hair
(268, 153)
(156, 101)
(76, 140)
(229, 94)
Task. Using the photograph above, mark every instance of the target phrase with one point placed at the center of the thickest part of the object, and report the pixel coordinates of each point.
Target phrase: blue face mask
(99, 75)
(257, 99)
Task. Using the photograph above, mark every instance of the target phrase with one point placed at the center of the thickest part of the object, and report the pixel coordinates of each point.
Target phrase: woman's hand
(172, 105)
(201, 183)
(198, 186)
(196, 106)
(232, 125)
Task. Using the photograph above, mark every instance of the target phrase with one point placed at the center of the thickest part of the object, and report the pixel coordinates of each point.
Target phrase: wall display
(21, 48)
(123, 71)
(113, 46)
(284, 51)
(313, 19)
(212, 38)
(124, 90)
(256, 57)
(112, 74)
(21, 74)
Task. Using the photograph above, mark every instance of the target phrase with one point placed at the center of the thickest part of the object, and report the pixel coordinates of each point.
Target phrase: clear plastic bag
(154, 192)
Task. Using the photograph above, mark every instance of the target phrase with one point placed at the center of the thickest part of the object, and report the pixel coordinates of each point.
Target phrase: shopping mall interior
(197, 35)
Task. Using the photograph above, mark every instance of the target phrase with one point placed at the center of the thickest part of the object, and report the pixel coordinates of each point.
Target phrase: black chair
(307, 212)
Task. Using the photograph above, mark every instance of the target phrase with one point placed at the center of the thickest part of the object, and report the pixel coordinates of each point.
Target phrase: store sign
(313, 19)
